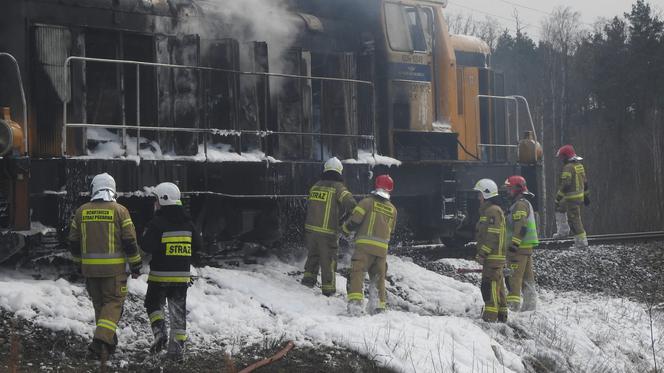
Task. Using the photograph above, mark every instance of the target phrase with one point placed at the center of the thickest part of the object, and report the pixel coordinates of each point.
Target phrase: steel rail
(550, 243)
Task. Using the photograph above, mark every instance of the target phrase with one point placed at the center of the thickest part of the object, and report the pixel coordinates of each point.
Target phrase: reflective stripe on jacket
(374, 219)
(490, 229)
(103, 238)
(572, 182)
(327, 203)
(521, 226)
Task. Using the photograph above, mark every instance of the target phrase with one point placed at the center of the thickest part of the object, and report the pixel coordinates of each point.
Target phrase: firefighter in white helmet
(102, 239)
(173, 241)
(328, 202)
(491, 247)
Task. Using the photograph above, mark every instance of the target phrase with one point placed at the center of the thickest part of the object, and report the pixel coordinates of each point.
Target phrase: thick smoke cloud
(247, 21)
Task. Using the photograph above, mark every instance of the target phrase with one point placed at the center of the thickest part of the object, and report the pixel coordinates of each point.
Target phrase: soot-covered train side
(239, 105)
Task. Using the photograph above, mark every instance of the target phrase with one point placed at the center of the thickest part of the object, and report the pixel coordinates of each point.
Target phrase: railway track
(439, 250)
(550, 243)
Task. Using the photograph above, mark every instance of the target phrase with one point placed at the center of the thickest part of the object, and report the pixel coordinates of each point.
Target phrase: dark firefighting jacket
(173, 241)
(328, 202)
(102, 238)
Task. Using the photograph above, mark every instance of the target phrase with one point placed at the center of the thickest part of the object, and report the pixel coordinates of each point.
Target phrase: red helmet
(385, 182)
(516, 184)
(566, 152)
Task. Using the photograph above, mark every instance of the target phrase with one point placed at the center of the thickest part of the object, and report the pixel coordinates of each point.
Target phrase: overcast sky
(531, 12)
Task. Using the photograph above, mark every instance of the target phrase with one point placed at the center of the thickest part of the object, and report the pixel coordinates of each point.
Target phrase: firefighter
(572, 193)
(522, 239)
(373, 219)
(329, 201)
(102, 239)
(491, 246)
(173, 240)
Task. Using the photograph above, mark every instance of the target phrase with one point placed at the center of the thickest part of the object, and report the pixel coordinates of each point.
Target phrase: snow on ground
(590, 333)
(433, 325)
(460, 263)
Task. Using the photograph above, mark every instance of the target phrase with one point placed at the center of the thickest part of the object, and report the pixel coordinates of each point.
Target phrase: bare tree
(561, 32)
(487, 29)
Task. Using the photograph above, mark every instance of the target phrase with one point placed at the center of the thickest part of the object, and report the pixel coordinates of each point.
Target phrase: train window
(409, 28)
(417, 37)
(397, 32)
(426, 15)
(460, 92)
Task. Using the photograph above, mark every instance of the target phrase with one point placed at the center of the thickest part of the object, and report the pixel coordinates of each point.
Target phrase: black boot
(160, 337)
(176, 351)
(100, 350)
(309, 281)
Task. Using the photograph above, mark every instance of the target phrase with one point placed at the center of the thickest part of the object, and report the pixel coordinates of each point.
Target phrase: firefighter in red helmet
(572, 193)
(522, 239)
(373, 220)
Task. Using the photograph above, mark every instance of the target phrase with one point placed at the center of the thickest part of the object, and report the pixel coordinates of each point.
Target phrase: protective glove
(586, 200)
(507, 271)
(480, 258)
(513, 248)
(558, 201)
(135, 269)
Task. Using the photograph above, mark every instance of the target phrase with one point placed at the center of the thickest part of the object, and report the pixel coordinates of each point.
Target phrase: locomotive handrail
(497, 146)
(516, 99)
(511, 98)
(212, 131)
(23, 100)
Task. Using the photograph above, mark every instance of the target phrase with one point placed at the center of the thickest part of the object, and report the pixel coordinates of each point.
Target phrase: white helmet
(168, 194)
(487, 187)
(103, 187)
(334, 164)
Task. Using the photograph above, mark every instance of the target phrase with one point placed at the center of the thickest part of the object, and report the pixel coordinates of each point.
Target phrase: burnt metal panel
(221, 89)
(51, 46)
(178, 92)
(255, 100)
(415, 146)
(293, 107)
(335, 103)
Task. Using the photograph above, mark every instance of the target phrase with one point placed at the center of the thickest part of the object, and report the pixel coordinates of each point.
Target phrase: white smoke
(247, 21)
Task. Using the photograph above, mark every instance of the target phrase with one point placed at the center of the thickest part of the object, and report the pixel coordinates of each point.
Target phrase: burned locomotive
(238, 102)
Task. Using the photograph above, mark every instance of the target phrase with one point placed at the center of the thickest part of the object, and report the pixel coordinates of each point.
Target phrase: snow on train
(239, 102)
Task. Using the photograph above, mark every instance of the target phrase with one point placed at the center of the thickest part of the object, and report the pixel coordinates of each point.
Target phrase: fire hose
(469, 270)
(279, 355)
